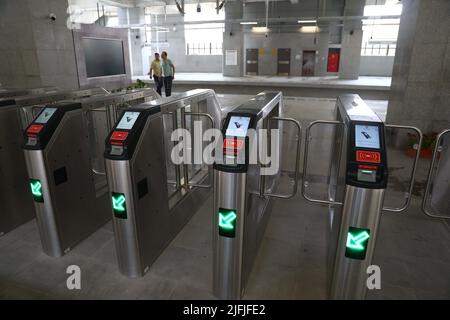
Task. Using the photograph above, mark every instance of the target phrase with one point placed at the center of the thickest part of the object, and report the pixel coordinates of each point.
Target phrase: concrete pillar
(233, 39)
(351, 41)
(134, 16)
(421, 76)
(323, 38)
(36, 51)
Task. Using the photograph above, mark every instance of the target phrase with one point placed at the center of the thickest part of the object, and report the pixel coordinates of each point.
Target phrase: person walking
(168, 70)
(156, 73)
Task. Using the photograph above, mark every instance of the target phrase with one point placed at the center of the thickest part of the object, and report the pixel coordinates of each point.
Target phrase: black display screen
(103, 57)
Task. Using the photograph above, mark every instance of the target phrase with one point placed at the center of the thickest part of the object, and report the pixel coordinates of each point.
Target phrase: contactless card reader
(366, 158)
(122, 140)
(236, 141)
(41, 130)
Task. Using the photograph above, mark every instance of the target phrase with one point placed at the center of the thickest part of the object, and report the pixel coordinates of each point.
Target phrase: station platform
(324, 87)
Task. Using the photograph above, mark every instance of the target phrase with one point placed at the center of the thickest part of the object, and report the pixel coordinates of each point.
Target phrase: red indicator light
(368, 156)
(233, 144)
(368, 167)
(34, 128)
(119, 135)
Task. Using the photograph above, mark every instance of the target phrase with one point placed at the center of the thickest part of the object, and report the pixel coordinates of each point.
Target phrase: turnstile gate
(242, 192)
(16, 206)
(358, 174)
(67, 182)
(153, 198)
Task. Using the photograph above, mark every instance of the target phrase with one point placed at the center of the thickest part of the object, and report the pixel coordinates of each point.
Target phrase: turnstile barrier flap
(403, 176)
(335, 176)
(297, 160)
(40, 131)
(436, 200)
(307, 178)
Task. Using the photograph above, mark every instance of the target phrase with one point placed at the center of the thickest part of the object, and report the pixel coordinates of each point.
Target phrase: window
(203, 38)
(379, 34)
(90, 12)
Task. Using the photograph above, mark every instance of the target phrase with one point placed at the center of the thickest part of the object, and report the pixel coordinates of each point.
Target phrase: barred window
(204, 49)
(378, 49)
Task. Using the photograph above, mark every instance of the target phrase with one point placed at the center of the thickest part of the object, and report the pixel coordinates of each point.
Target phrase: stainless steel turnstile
(67, 180)
(16, 206)
(358, 177)
(242, 192)
(153, 198)
(436, 201)
(9, 93)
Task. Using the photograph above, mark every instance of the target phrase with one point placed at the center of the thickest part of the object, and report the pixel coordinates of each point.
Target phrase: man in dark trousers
(168, 71)
(156, 72)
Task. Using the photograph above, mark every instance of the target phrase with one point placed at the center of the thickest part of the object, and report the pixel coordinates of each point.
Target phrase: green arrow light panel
(119, 205)
(36, 190)
(227, 222)
(357, 242)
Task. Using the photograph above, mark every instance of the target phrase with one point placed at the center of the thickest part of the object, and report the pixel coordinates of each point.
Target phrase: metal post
(185, 165)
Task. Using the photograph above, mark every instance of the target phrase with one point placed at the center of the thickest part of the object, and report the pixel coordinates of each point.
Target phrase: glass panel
(400, 157)
(439, 199)
(172, 178)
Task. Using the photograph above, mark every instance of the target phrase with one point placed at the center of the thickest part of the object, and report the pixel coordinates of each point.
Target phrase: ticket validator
(16, 206)
(153, 198)
(358, 174)
(242, 193)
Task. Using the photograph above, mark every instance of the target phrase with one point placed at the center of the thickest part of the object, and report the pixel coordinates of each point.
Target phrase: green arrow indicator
(227, 222)
(357, 241)
(119, 205)
(36, 188)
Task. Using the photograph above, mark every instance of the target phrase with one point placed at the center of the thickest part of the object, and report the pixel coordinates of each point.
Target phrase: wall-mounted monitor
(103, 57)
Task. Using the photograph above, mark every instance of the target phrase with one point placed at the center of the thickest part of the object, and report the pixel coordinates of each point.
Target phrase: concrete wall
(420, 90)
(34, 50)
(268, 60)
(380, 66)
(290, 37)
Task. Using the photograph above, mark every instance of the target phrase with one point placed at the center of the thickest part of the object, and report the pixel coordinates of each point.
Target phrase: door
(251, 61)
(284, 62)
(334, 55)
(309, 63)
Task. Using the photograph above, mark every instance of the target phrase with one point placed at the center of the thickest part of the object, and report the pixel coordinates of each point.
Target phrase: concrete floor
(413, 251)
